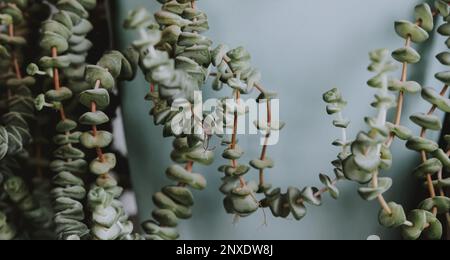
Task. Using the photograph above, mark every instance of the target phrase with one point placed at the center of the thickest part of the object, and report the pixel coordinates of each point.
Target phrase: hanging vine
(177, 60)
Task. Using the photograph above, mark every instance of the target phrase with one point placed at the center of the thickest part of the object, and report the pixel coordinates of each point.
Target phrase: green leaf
(102, 139)
(401, 132)
(366, 157)
(370, 193)
(298, 210)
(200, 156)
(408, 86)
(181, 195)
(100, 167)
(439, 184)
(406, 54)
(68, 152)
(59, 95)
(164, 202)
(332, 96)
(444, 58)
(430, 122)
(430, 167)
(67, 179)
(443, 157)
(419, 220)
(354, 173)
(435, 98)
(442, 7)
(277, 203)
(66, 125)
(420, 144)
(159, 233)
(175, 7)
(442, 204)
(4, 54)
(444, 77)
(52, 40)
(236, 172)
(82, 28)
(57, 28)
(98, 96)
(262, 164)
(75, 166)
(139, 18)
(3, 142)
(242, 201)
(332, 189)
(181, 175)
(218, 54)
(380, 64)
(233, 154)
(396, 219)
(424, 14)
(74, 7)
(68, 138)
(167, 19)
(386, 158)
(39, 102)
(7, 232)
(96, 73)
(407, 29)
(94, 118)
(308, 195)
(165, 217)
(435, 230)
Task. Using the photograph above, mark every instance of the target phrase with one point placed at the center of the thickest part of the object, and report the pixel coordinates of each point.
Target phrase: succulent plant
(174, 58)
(64, 45)
(109, 219)
(370, 152)
(177, 60)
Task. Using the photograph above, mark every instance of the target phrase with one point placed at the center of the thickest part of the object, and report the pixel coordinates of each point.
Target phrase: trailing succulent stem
(175, 58)
(110, 222)
(370, 152)
(16, 121)
(65, 46)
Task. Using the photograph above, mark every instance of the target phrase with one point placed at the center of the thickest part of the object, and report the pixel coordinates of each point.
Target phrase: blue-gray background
(303, 48)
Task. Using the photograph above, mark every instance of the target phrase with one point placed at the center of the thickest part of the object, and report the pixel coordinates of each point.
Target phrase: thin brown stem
(56, 80)
(233, 144)
(423, 154)
(266, 141)
(99, 151)
(380, 197)
(57, 83)
(401, 97)
(57, 86)
(189, 167)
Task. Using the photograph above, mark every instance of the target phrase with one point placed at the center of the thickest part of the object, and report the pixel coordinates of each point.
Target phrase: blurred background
(303, 48)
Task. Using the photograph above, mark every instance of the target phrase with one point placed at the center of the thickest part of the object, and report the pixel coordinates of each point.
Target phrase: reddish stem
(99, 150)
(431, 189)
(266, 141)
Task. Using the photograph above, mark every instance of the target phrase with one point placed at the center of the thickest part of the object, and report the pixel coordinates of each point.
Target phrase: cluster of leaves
(370, 152)
(24, 213)
(57, 210)
(176, 60)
